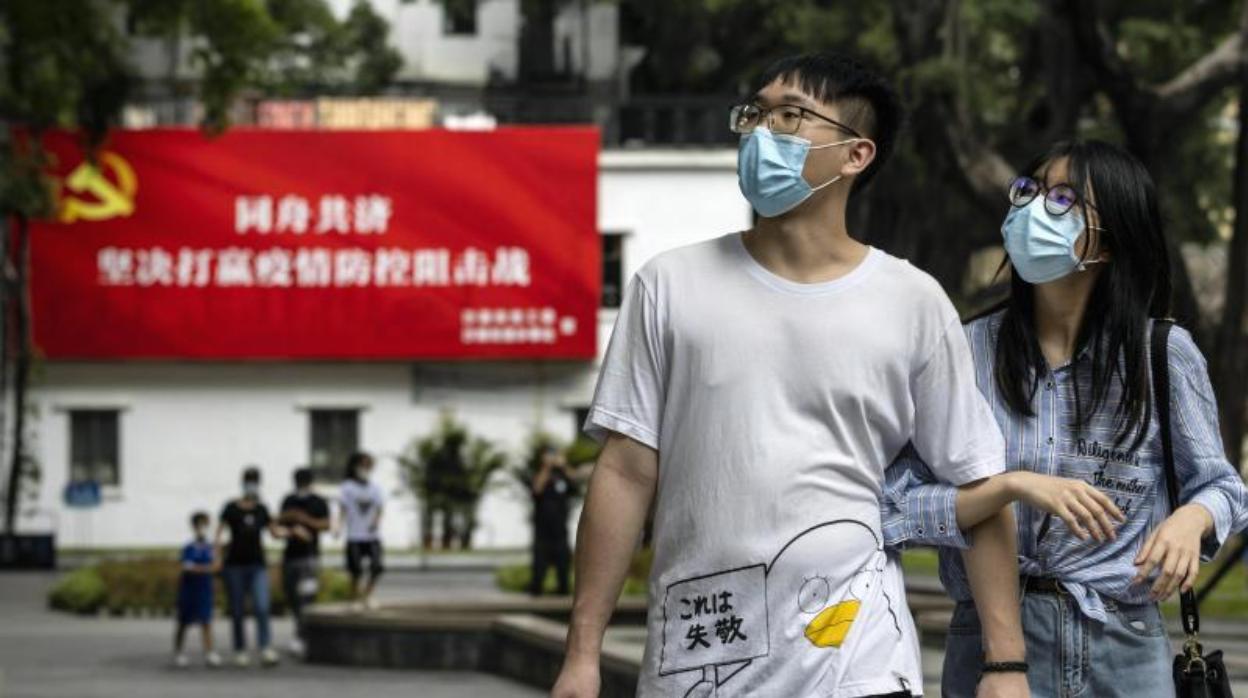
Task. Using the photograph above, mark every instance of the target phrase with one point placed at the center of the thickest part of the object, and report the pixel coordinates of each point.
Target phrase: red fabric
(104, 289)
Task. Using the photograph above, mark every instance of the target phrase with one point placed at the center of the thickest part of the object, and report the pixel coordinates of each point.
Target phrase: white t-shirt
(775, 407)
(360, 503)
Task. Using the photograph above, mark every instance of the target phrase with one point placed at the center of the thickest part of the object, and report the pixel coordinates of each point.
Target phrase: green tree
(65, 65)
(60, 65)
(449, 471)
(989, 83)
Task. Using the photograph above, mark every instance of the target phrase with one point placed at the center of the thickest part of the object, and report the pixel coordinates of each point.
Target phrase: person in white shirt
(755, 388)
(361, 502)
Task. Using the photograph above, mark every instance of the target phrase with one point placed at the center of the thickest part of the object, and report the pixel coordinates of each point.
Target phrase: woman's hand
(1087, 511)
(1174, 549)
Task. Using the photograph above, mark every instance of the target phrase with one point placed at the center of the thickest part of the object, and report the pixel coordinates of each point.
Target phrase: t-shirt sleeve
(632, 382)
(955, 432)
(319, 508)
(288, 503)
(262, 515)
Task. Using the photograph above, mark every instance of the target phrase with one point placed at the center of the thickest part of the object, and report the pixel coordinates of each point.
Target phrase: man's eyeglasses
(783, 119)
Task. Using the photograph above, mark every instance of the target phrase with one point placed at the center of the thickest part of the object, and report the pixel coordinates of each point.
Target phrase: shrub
(80, 591)
(150, 585)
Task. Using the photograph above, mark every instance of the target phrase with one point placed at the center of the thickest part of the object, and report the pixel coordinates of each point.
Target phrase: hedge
(150, 585)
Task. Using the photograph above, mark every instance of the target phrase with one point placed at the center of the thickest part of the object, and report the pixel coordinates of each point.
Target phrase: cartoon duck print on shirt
(772, 618)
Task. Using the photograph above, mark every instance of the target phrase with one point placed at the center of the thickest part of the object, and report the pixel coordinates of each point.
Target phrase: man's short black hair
(251, 474)
(199, 518)
(866, 101)
(303, 477)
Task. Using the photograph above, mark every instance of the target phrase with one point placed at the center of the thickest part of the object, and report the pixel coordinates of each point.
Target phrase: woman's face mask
(769, 170)
(1041, 244)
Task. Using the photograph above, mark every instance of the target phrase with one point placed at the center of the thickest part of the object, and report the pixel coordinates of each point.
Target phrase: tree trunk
(21, 304)
(537, 40)
(468, 526)
(1230, 367)
(6, 340)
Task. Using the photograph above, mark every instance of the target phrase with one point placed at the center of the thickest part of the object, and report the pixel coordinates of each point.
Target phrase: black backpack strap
(1160, 350)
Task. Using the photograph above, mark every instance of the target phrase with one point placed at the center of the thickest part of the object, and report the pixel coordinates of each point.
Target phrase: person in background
(195, 593)
(552, 491)
(362, 504)
(305, 514)
(244, 571)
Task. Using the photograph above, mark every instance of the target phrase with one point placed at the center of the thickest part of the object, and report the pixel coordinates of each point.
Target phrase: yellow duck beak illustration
(829, 628)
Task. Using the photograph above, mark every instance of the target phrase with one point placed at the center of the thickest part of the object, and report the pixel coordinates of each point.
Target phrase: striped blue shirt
(917, 510)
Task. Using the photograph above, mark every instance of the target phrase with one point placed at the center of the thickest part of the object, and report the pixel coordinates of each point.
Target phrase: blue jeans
(241, 581)
(1070, 655)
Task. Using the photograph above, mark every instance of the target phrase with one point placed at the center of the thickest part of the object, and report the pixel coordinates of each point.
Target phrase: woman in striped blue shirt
(1064, 363)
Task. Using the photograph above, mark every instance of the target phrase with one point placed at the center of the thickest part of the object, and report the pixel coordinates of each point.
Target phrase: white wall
(431, 55)
(188, 429)
(600, 22)
(416, 30)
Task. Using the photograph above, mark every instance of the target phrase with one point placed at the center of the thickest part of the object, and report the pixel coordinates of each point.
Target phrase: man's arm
(620, 491)
(992, 570)
(318, 523)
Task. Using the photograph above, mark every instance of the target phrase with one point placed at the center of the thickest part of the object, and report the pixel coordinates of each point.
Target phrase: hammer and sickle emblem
(108, 199)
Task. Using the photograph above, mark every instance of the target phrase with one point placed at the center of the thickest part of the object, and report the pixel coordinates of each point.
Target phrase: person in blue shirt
(1064, 364)
(195, 597)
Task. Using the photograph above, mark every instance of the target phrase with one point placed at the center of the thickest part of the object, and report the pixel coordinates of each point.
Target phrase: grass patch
(920, 561)
(516, 577)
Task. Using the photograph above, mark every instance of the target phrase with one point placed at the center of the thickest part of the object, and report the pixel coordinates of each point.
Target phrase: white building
(179, 433)
(468, 46)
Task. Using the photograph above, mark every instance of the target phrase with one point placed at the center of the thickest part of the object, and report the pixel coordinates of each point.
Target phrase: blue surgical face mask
(1041, 245)
(769, 170)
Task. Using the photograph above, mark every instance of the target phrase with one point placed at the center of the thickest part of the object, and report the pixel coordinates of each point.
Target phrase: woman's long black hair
(1134, 286)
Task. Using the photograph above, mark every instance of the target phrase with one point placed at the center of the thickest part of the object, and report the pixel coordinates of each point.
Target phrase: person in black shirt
(244, 572)
(552, 492)
(305, 514)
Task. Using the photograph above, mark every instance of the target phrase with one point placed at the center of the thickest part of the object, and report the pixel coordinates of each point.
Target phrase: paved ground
(44, 654)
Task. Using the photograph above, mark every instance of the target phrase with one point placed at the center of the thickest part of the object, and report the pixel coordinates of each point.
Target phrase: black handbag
(1196, 675)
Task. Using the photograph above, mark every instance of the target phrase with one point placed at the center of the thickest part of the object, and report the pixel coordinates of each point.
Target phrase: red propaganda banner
(321, 245)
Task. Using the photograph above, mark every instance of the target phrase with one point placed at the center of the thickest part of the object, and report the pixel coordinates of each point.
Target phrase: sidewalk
(46, 654)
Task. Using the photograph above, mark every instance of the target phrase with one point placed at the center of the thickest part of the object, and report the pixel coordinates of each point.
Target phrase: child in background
(195, 592)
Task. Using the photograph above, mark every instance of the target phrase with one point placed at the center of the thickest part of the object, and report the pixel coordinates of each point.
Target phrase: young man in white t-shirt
(755, 388)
